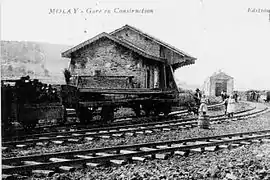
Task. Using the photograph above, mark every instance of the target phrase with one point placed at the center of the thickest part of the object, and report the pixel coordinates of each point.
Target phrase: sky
(225, 35)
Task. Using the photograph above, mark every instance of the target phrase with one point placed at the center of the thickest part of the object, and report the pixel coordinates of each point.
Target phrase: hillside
(36, 59)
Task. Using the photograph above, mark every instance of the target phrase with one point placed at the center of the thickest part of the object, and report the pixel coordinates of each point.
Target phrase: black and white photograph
(135, 89)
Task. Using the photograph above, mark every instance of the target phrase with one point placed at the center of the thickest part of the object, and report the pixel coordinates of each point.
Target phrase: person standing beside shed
(231, 106)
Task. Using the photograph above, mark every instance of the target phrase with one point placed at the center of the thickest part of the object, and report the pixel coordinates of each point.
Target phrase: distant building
(218, 82)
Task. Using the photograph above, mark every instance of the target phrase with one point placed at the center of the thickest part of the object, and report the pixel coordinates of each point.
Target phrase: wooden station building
(129, 53)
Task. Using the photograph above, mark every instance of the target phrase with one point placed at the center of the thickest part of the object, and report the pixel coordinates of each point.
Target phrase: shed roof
(124, 43)
(221, 74)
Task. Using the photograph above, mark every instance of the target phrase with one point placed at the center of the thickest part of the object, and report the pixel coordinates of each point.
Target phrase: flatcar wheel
(107, 114)
(166, 110)
(82, 115)
(29, 126)
(136, 108)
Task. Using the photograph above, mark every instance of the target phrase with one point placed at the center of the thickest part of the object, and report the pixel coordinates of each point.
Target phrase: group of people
(253, 96)
(229, 102)
(200, 101)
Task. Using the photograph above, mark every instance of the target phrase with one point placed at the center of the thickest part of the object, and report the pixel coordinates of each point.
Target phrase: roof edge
(154, 39)
(128, 45)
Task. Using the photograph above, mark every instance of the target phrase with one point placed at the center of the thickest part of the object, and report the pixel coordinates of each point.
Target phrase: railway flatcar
(124, 68)
(27, 101)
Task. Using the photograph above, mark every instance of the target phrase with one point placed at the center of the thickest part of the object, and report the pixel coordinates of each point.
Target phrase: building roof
(172, 48)
(122, 42)
(222, 75)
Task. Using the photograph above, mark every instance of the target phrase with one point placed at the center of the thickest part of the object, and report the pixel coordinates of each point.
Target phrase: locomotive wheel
(107, 114)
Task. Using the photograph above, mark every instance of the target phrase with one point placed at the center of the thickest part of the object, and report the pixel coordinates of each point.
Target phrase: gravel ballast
(252, 124)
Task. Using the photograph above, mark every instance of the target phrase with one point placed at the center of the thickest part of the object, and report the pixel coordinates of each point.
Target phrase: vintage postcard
(135, 89)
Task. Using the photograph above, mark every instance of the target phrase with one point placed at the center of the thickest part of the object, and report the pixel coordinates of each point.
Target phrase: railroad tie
(58, 159)
(66, 168)
(31, 162)
(103, 154)
(46, 173)
(223, 146)
(88, 138)
(158, 155)
(7, 177)
(162, 147)
(113, 130)
(148, 131)
(129, 134)
(118, 161)
(266, 140)
(181, 153)
(211, 148)
(76, 134)
(21, 145)
(196, 150)
(5, 149)
(117, 135)
(215, 140)
(245, 143)
(177, 145)
(166, 129)
(41, 138)
(141, 159)
(93, 164)
(60, 136)
(256, 141)
(83, 156)
(41, 143)
(73, 140)
(103, 132)
(105, 137)
(127, 151)
(235, 145)
(132, 158)
(90, 133)
(58, 142)
(6, 166)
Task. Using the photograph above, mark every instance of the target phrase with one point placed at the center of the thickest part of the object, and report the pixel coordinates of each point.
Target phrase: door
(220, 86)
(148, 78)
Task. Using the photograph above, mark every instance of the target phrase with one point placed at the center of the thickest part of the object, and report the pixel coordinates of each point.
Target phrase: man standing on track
(198, 97)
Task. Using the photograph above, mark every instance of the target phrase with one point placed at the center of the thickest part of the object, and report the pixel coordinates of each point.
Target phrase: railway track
(47, 164)
(95, 124)
(20, 134)
(118, 131)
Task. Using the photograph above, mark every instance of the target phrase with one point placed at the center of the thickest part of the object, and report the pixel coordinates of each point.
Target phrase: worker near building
(236, 97)
(231, 106)
(197, 97)
(203, 107)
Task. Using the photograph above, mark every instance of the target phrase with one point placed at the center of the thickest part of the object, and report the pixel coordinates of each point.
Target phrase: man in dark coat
(197, 97)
